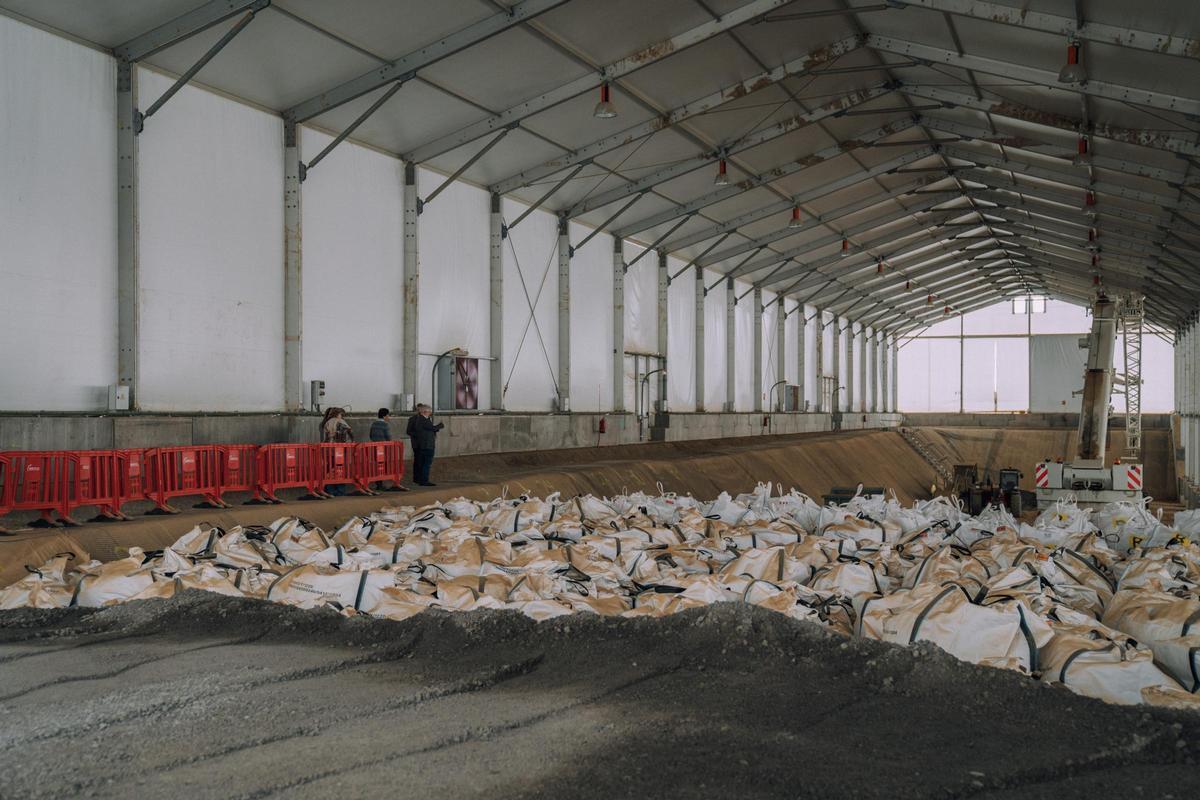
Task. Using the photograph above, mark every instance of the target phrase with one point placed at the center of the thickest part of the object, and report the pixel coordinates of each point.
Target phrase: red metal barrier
(93, 478)
(336, 462)
(182, 471)
(238, 462)
(287, 466)
(134, 476)
(35, 481)
(376, 462)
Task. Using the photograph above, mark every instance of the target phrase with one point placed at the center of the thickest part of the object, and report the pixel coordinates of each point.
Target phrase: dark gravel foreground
(207, 696)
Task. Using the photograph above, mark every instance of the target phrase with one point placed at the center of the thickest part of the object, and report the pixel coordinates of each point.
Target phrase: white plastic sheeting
(211, 221)
(591, 322)
(928, 372)
(530, 308)
(58, 240)
(641, 301)
(714, 343)
(1056, 364)
(681, 338)
(812, 360)
(353, 268)
(455, 299)
(743, 348)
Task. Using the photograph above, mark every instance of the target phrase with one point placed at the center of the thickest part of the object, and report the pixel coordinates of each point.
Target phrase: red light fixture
(1072, 71)
(929, 300)
(908, 286)
(1083, 155)
(1089, 199)
(795, 221)
(845, 248)
(722, 178)
(879, 269)
(605, 109)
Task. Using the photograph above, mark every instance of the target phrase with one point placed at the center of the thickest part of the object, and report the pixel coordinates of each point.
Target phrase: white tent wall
(211, 253)
(58, 263)
(812, 359)
(1056, 364)
(591, 323)
(791, 332)
(681, 338)
(928, 373)
(530, 306)
(714, 342)
(743, 358)
(353, 273)
(455, 288)
(770, 343)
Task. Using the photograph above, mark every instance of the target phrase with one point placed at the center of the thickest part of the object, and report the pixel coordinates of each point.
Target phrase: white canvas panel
(714, 343)
(591, 323)
(1056, 365)
(928, 375)
(744, 349)
(58, 223)
(211, 220)
(770, 346)
(455, 299)
(812, 360)
(353, 267)
(791, 333)
(681, 339)
(641, 301)
(530, 310)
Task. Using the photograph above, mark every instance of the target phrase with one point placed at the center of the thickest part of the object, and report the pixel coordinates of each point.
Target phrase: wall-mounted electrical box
(118, 397)
(316, 395)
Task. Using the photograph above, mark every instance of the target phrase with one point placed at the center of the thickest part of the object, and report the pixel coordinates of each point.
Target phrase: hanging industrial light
(722, 178)
(1083, 156)
(845, 248)
(908, 286)
(1089, 199)
(605, 109)
(1072, 71)
(795, 221)
(947, 310)
(879, 269)
(929, 300)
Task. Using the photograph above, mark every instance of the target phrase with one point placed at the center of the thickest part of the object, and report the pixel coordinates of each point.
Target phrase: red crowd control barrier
(336, 464)
(36, 481)
(182, 471)
(238, 462)
(56, 483)
(287, 466)
(93, 478)
(378, 461)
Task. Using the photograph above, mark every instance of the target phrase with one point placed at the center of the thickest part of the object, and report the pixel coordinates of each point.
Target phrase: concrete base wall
(1027, 421)
(464, 434)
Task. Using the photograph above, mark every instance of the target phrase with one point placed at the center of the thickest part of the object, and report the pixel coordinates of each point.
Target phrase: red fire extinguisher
(603, 427)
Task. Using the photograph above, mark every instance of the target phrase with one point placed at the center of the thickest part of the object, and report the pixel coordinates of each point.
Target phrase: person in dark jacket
(380, 431)
(423, 435)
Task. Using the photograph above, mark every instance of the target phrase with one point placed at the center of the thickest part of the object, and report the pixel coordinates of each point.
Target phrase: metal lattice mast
(1130, 310)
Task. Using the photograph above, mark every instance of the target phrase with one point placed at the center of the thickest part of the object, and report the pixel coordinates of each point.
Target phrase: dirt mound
(208, 696)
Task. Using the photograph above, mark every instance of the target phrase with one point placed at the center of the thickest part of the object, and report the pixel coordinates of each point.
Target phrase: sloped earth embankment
(207, 696)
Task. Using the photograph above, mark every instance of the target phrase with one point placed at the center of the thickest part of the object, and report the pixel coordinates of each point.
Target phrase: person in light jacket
(335, 429)
(423, 435)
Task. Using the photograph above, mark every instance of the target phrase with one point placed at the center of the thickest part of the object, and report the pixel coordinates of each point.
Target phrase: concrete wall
(481, 433)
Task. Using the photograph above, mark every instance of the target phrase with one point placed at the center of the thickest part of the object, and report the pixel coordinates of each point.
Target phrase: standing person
(423, 435)
(381, 431)
(336, 429)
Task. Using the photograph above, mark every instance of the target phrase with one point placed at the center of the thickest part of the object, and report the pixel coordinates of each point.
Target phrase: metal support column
(618, 324)
(852, 388)
(127, 232)
(293, 284)
(781, 354)
(564, 315)
(757, 338)
(699, 345)
(496, 312)
(863, 386)
(835, 365)
(883, 372)
(894, 386)
(412, 281)
(730, 345)
(664, 284)
(819, 354)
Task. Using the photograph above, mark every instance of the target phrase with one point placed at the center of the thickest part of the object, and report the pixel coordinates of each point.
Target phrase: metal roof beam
(1071, 28)
(1016, 71)
(1071, 199)
(610, 72)
(771, 133)
(846, 182)
(1066, 178)
(183, 27)
(405, 68)
(585, 154)
(1154, 140)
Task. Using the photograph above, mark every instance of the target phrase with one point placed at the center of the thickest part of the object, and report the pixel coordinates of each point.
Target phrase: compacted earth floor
(206, 696)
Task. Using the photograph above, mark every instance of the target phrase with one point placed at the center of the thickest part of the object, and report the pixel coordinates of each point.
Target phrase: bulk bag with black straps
(44, 587)
(114, 582)
(313, 586)
(1167, 624)
(1007, 634)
